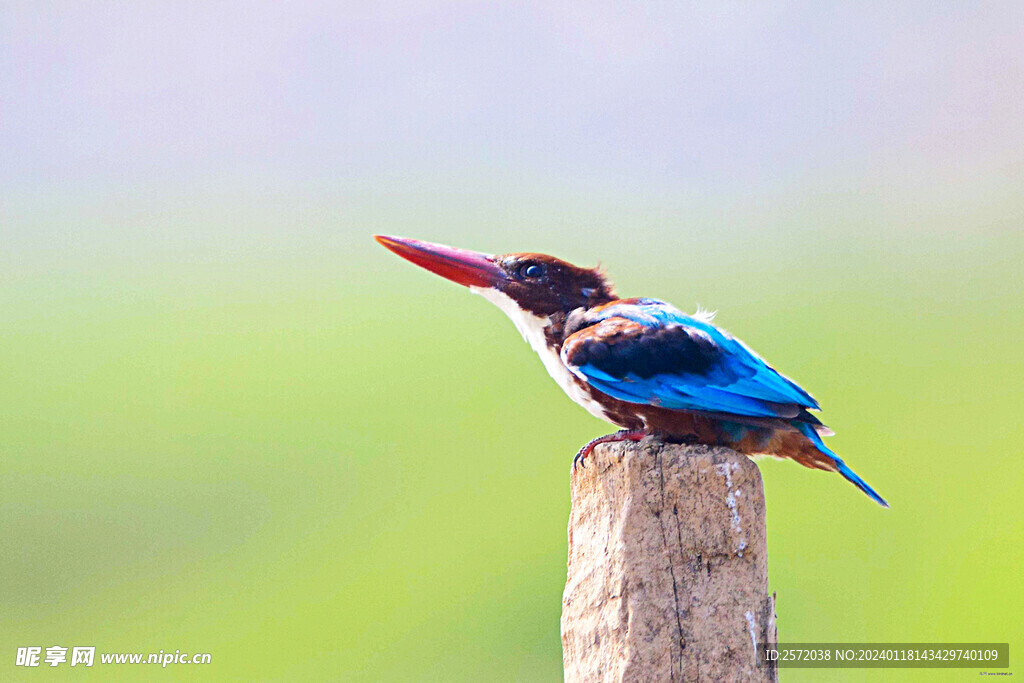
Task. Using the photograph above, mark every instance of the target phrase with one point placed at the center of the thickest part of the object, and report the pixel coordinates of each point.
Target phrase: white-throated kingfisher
(641, 363)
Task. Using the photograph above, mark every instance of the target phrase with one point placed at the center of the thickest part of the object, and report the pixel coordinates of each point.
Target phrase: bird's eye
(532, 271)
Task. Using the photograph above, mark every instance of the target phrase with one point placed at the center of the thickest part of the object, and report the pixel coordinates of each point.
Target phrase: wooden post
(668, 570)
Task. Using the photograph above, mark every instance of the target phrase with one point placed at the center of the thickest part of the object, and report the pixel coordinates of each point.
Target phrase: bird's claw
(621, 435)
(580, 459)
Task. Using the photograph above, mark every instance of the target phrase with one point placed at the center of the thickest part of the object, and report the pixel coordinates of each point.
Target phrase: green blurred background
(231, 423)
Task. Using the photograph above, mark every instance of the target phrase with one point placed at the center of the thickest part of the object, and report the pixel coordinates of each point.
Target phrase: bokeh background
(231, 423)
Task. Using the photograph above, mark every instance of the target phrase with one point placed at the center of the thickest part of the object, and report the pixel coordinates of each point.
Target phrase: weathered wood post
(668, 571)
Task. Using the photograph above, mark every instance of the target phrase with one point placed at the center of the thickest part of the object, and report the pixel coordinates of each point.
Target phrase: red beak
(469, 268)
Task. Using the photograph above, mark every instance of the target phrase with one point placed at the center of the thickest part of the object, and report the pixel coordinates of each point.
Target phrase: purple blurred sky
(667, 93)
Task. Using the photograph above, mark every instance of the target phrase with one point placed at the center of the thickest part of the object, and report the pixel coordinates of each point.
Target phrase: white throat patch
(533, 327)
(530, 326)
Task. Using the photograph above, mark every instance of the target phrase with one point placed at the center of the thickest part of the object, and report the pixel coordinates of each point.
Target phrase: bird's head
(537, 284)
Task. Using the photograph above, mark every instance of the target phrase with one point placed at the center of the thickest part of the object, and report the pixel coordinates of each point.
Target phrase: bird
(641, 363)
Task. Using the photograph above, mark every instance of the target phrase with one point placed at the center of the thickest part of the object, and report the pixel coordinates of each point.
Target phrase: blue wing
(646, 351)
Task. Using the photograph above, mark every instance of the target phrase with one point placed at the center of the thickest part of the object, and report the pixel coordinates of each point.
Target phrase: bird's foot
(621, 435)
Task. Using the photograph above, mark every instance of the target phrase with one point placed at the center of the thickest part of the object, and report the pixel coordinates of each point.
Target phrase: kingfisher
(641, 363)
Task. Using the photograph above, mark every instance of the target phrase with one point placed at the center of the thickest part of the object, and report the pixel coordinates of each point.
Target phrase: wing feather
(646, 351)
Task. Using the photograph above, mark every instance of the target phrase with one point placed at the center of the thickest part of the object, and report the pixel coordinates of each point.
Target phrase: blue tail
(850, 476)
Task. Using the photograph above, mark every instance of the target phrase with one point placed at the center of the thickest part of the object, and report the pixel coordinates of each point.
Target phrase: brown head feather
(545, 285)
